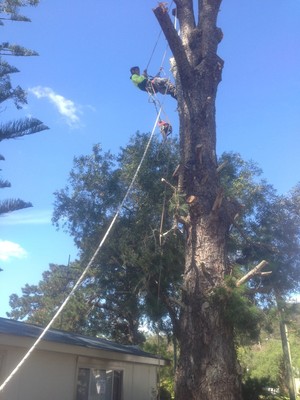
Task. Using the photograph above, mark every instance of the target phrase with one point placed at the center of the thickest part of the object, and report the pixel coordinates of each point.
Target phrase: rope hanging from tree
(165, 126)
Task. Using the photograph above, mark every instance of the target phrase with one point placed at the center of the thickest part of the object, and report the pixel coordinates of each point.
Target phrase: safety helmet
(133, 69)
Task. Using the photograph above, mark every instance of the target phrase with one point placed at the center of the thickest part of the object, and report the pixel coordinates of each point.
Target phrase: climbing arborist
(165, 128)
(152, 85)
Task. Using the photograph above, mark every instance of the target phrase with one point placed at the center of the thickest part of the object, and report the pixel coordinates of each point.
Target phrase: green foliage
(84, 206)
(262, 362)
(239, 179)
(39, 302)
(178, 205)
(266, 228)
(22, 127)
(7, 49)
(259, 389)
(9, 10)
(4, 184)
(10, 205)
(239, 310)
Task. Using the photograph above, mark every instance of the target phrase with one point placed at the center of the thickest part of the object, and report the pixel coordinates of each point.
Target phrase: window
(99, 384)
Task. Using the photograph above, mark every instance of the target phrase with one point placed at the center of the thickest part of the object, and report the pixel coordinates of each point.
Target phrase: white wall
(44, 376)
(139, 382)
(52, 375)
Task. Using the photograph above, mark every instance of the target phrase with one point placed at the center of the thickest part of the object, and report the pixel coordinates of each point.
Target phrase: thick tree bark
(207, 366)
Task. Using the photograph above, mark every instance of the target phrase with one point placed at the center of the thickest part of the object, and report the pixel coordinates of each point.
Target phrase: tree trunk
(290, 382)
(207, 367)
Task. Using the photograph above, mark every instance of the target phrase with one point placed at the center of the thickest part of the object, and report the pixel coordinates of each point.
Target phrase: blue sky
(79, 86)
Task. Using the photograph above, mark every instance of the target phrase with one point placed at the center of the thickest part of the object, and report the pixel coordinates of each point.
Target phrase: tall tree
(9, 11)
(207, 367)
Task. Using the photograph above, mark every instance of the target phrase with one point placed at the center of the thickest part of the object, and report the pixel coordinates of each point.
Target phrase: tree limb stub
(265, 273)
(222, 166)
(250, 274)
(218, 201)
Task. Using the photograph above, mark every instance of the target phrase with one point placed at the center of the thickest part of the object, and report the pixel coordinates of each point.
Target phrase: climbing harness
(165, 128)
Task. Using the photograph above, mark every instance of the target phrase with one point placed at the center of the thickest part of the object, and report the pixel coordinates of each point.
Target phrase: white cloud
(26, 217)
(67, 108)
(10, 250)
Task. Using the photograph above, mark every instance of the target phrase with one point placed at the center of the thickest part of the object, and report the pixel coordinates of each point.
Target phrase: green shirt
(139, 81)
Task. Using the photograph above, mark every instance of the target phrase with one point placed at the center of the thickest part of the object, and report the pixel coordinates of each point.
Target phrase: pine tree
(9, 11)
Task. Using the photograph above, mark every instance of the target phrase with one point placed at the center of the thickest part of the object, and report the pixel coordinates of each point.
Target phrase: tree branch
(251, 273)
(163, 180)
(173, 40)
(208, 9)
(211, 35)
(185, 15)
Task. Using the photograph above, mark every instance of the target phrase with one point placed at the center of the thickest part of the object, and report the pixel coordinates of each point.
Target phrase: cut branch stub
(255, 271)
(192, 199)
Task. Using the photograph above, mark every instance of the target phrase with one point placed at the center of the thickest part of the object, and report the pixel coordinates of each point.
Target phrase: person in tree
(152, 85)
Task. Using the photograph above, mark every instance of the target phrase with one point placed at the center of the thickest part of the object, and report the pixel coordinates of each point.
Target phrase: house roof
(17, 328)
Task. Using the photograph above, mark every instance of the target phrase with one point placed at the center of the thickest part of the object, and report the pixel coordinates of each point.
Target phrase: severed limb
(255, 271)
